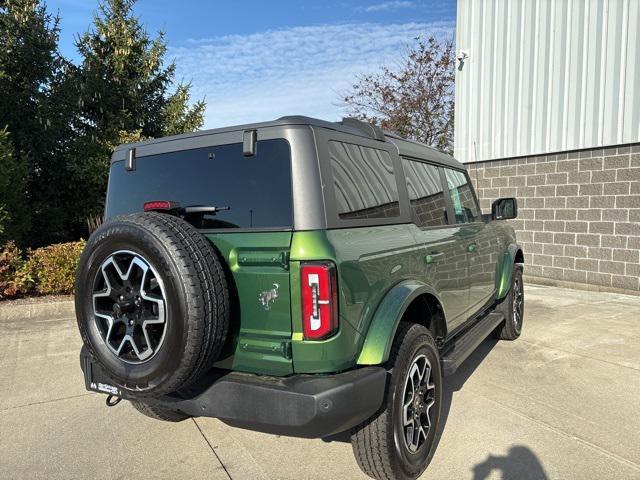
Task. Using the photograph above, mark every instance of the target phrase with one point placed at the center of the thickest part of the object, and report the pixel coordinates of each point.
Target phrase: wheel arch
(412, 300)
(512, 255)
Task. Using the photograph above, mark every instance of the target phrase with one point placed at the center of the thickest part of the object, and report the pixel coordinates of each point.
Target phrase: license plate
(95, 384)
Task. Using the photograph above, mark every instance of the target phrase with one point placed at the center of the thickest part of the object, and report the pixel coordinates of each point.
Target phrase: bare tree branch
(414, 100)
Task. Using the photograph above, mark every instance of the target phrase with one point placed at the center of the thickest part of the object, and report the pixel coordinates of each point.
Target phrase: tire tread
(373, 441)
(205, 289)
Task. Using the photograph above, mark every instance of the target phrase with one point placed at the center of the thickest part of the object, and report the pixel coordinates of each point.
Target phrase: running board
(468, 342)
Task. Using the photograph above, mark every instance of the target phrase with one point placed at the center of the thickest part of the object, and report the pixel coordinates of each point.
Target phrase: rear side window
(426, 194)
(364, 182)
(256, 189)
(464, 202)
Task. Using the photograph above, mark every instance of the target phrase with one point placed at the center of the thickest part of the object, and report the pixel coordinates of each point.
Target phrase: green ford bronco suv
(297, 277)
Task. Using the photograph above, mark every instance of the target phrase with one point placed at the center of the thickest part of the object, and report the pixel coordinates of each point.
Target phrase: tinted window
(257, 189)
(426, 194)
(364, 182)
(464, 202)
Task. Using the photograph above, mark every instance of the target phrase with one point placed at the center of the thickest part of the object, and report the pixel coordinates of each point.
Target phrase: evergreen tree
(28, 64)
(31, 74)
(13, 202)
(125, 91)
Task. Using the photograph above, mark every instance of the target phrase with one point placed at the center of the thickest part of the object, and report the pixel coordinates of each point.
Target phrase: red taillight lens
(319, 300)
(160, 205)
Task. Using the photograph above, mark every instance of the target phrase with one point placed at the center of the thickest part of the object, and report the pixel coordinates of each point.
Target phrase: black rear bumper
(312, 406)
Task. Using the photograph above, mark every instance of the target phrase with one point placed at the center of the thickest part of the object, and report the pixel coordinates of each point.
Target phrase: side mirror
(504, 209)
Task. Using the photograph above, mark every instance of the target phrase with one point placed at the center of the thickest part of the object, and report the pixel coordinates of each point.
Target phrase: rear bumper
(312, 406)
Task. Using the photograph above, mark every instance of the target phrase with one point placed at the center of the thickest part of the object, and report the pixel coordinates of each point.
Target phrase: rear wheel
(399, 441)
(512, 307)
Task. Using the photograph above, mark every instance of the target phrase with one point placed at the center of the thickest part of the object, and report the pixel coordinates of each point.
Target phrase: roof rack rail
(369, 129)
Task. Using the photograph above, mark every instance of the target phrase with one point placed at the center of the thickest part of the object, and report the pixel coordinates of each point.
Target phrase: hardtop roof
(406, 147)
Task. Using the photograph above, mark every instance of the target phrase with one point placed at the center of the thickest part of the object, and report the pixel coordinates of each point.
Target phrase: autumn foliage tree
(415, 99)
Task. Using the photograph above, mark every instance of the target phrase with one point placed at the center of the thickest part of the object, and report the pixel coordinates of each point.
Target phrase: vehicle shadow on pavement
(455, 382)
(451, 384)
(520, 463)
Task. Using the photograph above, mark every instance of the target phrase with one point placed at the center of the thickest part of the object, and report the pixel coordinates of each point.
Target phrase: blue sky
(257, 60)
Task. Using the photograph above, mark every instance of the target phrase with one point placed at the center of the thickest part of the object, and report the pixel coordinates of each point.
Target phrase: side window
(364, 182)
(426, 194)
(464, 202)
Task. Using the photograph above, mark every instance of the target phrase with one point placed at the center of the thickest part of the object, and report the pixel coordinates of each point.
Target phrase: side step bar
(468, 342)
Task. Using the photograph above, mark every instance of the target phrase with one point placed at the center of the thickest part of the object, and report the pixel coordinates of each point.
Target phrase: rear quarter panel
(370, 261)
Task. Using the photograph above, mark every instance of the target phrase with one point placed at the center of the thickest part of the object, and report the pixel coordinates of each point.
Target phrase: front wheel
(512, 307)
(399, 441)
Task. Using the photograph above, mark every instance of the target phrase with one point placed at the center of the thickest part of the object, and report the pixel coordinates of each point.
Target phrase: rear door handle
(432, 257)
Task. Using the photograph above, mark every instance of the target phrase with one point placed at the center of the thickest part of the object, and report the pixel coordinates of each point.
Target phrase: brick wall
(578, 214)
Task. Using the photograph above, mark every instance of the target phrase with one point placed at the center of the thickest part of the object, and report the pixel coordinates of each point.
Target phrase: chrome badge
(268, 297)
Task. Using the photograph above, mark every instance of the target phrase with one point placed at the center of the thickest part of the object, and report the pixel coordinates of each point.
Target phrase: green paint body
(381, 270)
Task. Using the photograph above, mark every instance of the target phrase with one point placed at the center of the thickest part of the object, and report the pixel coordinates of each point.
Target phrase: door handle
(472, 247)
(432, 257)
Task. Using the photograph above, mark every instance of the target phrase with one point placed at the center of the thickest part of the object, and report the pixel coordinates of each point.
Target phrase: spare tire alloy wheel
(129, 306)
(152, 302)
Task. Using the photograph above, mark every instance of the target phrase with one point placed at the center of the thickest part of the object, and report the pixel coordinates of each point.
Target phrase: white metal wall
(546, 76)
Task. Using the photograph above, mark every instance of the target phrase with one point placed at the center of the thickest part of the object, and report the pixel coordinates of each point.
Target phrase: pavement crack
(45, 401)
(211, 448)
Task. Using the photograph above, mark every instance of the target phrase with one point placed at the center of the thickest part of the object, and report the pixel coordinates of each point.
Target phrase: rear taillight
(319, 300)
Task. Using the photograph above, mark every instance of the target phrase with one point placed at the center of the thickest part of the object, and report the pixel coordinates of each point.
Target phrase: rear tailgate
(261, 330)
(251, 228)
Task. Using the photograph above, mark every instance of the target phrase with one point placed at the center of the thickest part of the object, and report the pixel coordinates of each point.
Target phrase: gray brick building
(548, 111)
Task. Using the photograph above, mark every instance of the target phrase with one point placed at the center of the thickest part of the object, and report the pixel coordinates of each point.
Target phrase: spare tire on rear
(152, 302)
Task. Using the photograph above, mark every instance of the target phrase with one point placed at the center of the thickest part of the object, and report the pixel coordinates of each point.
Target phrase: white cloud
(294, 71)
(384, 6)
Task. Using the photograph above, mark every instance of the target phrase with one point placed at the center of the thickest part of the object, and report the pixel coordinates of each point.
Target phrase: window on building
(364, 182)
(426, 194)
(465, 205)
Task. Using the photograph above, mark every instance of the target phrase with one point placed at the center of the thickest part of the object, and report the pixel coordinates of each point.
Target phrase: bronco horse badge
(269, 296)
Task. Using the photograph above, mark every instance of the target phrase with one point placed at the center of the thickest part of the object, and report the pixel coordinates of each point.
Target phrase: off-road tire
(376, 445)
(159, 413)
(197, 303)
(511, 328)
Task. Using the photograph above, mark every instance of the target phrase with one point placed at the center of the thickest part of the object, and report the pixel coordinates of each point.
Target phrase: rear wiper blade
(175, 208)
(203, 209)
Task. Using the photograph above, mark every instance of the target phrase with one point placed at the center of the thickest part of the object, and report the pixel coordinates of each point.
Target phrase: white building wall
(546, 76)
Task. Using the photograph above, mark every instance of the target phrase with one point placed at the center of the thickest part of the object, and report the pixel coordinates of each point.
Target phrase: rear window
(256, 189)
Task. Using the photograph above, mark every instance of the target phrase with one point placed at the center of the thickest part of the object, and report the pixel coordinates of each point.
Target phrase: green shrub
(52, 270)
(46, 271)
(11, 263)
